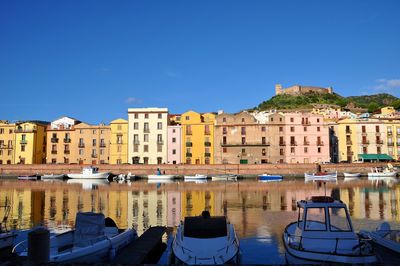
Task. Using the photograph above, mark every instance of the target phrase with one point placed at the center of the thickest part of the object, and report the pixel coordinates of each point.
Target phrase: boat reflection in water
(248, 205)
(88, 184)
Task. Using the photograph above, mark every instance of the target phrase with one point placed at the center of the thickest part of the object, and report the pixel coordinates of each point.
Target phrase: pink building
(306, 138)
(173, 208)
(174, 136)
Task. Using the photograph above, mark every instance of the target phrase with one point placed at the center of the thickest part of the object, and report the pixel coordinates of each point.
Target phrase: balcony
(81, 145)
(306, 143)
(102, 145)
(306, 123)
(207, 144)
(377, 133)
(246, 144)
(207, 132)
(24, 141)
(348, 131)
(21, 130)
(189, 144)
(282, 143)
(349, 142)
(53, 152)
(365, 142)
(3, 146)
(146, 130)
(320, 143)
(54, 140)
(188, 154)
(94, 155)
(66, 151)
(67, 140)
(379, 141)
(136, 142)
(207, 154)
(160, 142)
(293, 143)
(350, 153)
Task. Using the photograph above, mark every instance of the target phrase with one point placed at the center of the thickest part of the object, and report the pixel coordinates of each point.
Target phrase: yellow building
(92, 143)
(119, 141)
(30, 143)
(197, 138)
(194, 202)
(393, 138)
(7, 142)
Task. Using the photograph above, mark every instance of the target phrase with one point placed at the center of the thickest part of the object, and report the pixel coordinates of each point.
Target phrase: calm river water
(259, 211)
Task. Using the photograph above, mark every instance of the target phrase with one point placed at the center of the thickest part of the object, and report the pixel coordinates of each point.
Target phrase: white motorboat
(321, 177)
(205, 240)
(351, 175)
(386, 242)
(382, 172)
(90, 173)
(52, 176)
(324, 233)
(224, 178)
(28, 177)
(160, 177)
(94, 239)
(195, 177)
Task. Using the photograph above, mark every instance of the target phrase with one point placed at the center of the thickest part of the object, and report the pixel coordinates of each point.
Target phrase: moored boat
(352, 175)
(224, 178)
(94, 239)
(160, 177)
(28, 177)
(90, 173)
(324, 233)
(321, 176)
(52, 176)
(205, 240)
(195, 177)
(269, 178)
(382, 172)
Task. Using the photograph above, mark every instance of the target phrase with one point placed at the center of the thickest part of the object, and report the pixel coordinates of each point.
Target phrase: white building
(147, 140)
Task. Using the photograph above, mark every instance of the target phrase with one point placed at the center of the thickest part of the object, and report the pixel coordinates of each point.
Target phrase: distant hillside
(370, 102)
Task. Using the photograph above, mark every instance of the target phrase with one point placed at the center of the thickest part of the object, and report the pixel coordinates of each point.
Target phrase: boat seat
(89, 228)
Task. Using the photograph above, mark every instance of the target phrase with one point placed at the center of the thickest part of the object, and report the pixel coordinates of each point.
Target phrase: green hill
(305, 101)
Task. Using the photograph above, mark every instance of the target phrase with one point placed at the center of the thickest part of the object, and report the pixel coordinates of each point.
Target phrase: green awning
(375, 157)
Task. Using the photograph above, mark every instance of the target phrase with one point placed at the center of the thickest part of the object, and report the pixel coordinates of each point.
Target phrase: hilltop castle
(298, 90)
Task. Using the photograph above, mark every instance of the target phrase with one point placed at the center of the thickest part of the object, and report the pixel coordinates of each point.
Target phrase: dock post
(39, 246)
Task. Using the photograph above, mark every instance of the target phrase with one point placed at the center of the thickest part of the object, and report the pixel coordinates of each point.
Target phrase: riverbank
(9, 171)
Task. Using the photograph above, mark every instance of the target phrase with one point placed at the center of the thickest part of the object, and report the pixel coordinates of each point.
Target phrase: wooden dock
(139, 250)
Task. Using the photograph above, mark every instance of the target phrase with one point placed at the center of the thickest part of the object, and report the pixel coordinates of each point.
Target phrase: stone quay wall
(184, 169)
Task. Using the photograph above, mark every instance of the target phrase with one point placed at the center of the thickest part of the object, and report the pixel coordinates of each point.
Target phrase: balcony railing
(238, 144)
(81, 145)
(320, 143)
(207, 154)
(21, 130)
(6, 146)
(54, 140)
(53, 152)
(189, 144)
(23, 141)
(348, 131)
(365, 142)
(188, 154)
(379, 141)
(67, 140)
(306, 143)
(102, 145)
(160, 142)
(306, 123)
(66, 151)
(282, 143)
(207, 144)
(293, 143)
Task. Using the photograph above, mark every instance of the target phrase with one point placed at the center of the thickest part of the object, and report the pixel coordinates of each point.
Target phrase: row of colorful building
(154, 136)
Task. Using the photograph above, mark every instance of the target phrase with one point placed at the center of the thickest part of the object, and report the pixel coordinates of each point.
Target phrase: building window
(280, 129)
(305, 149)
(159, 116)
(292, 150)
(317, 120)
(159, 125)
(224, 140)
(263, 152)
(243, 130)
(173, 130)
(93, 142)
(159, 160)
(263, 140)
(224, 150)
(146, 137)
(272, 119)
(101, 131)
(22, 147)
(159, 148)
(378, 150)
(318, 129)
(243, 140)
(101, 151)
(146, 148)
(80, 151)
(146, 160)
(146, 116)
(377, 129)
(319, 149)
(263, 129)
(243, 120)
(291, 129)
(305, 129)
(119, 127)
(119, 148)
(224, 130)
(363, 130)
(135, 148)
(173, 151)
(187, 118)
(281, 152)
(224, 119)
(136, 116)
(173, 140)
(94, 131)
(292, 119)
(136, 125)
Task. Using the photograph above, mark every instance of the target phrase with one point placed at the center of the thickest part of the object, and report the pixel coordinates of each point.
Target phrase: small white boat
(382, 172)
(94, 240)
(324, 233)
(269, 178)
(160, 177)
(205, 240)
(386, 241)
(352, 175)
(160, 181)
(52, 176)
(90, 173)
(321, 177)
(28, 177)
(224, 178)
(195, 177)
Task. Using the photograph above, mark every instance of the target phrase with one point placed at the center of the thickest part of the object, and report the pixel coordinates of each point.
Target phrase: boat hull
(224, 178)
(270, 178)
(195, 177)
(321, 178)
(33, 178)
(7, 240)
(388, 174)
(52, 176)
(160, 177)
(89, 176)
(353, 175)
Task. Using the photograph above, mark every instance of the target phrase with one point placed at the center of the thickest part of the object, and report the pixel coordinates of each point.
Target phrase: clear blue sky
(94, 59)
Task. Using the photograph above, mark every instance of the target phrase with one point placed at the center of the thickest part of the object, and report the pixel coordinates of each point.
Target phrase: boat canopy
(205, 227)
(374, 157)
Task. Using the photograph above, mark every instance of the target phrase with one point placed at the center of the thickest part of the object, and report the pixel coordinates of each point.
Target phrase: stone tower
(278, 89)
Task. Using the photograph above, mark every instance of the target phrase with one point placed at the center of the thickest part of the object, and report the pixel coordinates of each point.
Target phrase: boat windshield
(199, 227)
(315, 219)
(338, 219)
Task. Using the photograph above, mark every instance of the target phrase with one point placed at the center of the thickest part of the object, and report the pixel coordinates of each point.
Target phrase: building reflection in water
(248, 209)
